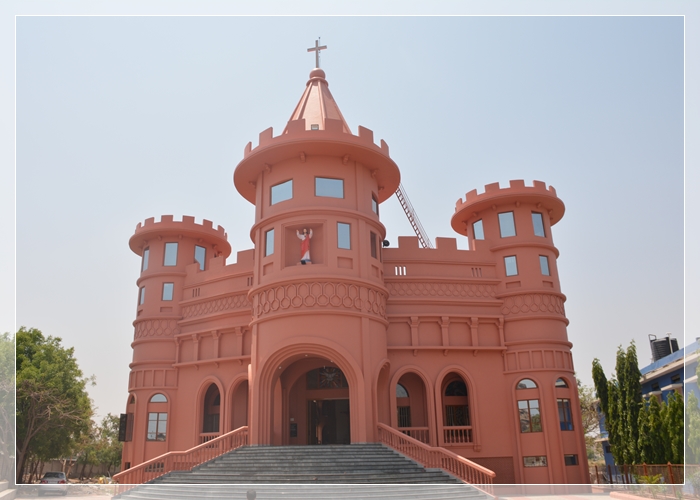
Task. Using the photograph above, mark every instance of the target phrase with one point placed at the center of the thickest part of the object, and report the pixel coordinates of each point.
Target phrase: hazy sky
(123, 118)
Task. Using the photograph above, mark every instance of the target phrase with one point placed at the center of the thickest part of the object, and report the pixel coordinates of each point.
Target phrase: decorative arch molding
(232, 388)
(288, 353)
(429, 396)
(199, 404)
(473, 406)
(383, 363)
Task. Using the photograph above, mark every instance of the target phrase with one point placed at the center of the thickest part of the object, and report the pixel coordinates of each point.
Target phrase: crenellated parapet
(216, 237)
(494, 196)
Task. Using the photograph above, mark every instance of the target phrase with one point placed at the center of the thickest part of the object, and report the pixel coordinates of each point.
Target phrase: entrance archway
(281, 408)
(316, 402)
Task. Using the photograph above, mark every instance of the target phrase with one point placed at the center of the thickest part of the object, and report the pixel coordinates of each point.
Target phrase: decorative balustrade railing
(205, 437)
(440, 458)
(183, 460)
(422, 434)
(457, 434)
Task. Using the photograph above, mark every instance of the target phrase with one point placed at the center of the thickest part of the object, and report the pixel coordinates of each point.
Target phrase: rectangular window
(170, 258)
(538, 224)
(570, 459)
(157, 426)
(142, 295)
(144, 260)
(375, 205)
(511, 265)
(168, 291)
(507, 224)
(200, 255)
(373, 245)
(281, 192)
(544, 265)
(404, 416)
(343, 235)
(478, 228)
(332, 188)
(565, 422)
(535, 461)
(269, 242)
(530, 415)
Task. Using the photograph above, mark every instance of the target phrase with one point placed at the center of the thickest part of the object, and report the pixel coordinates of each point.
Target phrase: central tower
(318, 296)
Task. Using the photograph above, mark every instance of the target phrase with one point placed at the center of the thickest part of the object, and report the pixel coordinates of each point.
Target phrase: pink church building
(320, 334)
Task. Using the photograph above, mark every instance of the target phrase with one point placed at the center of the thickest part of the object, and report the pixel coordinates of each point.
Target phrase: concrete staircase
(308, 472)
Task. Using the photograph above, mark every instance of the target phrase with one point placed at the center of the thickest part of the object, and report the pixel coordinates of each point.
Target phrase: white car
(53, 482)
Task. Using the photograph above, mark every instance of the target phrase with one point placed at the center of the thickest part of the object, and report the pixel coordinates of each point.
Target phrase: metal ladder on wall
(413, 218)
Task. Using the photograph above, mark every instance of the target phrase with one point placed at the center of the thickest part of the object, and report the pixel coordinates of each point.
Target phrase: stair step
(308, 472)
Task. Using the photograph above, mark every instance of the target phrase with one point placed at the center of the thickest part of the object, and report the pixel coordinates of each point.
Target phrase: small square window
(331, 188)
(511, 265)
(343, 235)
(142, 295)
(478, 228)
(314, 126)
(170, 258)
(507, 224)
(168, 291)
(200, 255)
(544, 265)
(570, 459)
(144, 261)
(538, 224)
(375, 205)
(269, 242)
(373, 245)
(281, 192)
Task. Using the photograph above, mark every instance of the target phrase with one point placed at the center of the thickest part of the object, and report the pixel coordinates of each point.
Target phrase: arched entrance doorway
(315, 402)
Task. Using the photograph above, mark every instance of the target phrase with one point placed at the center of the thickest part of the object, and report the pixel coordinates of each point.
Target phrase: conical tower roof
(317, 104)
(316, 127)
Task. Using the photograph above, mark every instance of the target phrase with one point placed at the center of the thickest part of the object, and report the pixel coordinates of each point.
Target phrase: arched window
(159, 398)
(456, 388)
(132, 400)
(211, 410)
(401, 391)
(403, 406)
(526, 383)
(561, 383)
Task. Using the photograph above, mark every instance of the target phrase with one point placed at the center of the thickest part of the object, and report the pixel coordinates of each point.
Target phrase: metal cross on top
(317, 49)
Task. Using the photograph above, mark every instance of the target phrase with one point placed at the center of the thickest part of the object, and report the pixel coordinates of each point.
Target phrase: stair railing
(183, 460)
(438, 458)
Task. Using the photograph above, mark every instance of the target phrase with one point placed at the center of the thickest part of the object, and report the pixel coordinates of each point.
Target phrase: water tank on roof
(660, 348)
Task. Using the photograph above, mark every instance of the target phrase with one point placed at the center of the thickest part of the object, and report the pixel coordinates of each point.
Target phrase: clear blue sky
(123, 118)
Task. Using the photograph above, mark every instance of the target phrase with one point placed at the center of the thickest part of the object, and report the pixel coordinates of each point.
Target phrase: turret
(317, 176)
(515, 224)
(166, 249)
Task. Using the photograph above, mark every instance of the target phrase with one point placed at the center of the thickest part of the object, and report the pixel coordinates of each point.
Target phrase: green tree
(7, 406)
(673, 428)
(589, 421)
(53, 407)
(109, 451)
(621, 401)
(693, 432)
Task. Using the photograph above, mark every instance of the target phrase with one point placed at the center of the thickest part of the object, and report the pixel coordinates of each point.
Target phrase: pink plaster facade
(262, 342)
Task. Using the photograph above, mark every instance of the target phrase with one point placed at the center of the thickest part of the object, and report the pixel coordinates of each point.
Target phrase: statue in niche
(305, 237)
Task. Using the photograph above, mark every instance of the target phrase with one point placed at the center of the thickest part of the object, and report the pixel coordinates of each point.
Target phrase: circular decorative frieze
(533, 303)
(156, 328)
(319, 295)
